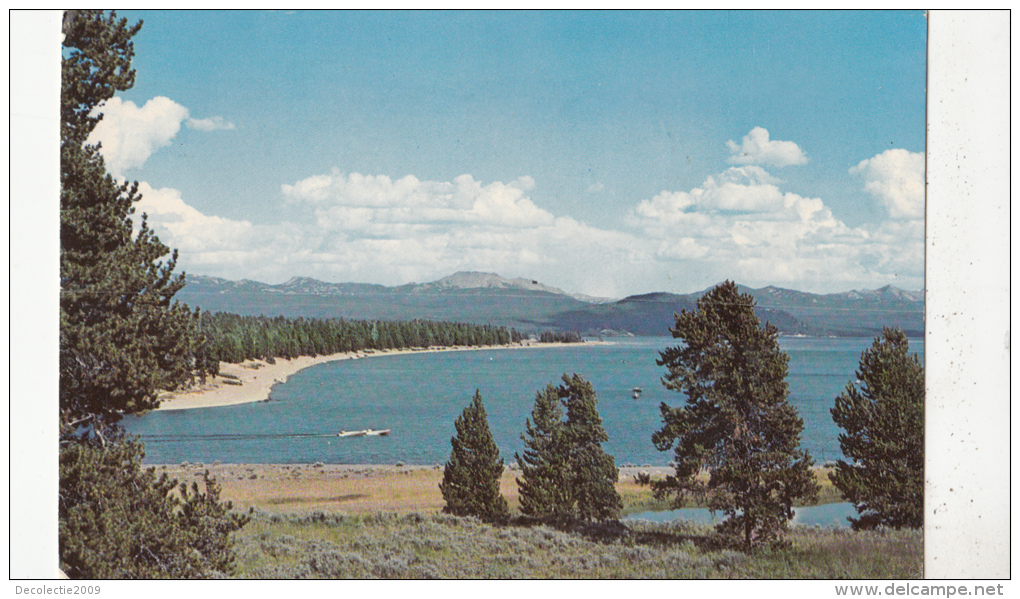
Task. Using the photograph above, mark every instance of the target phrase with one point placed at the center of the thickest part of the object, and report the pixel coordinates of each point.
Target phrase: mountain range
(530, 306)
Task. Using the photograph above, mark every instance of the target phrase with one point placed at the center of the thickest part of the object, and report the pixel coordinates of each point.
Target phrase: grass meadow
(416, 546)
(333, 521)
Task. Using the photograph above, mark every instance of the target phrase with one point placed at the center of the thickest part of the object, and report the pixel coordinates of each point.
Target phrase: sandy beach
(351, 488)
(253, 380)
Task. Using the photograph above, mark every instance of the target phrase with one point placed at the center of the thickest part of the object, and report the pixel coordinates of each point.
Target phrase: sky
(605, 153)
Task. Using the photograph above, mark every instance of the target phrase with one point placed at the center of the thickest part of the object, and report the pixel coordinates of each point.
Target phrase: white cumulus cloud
(221, 246)
(216, 123)
(757, 148)
(740, 224)
(896, 177)
(188, 228)
(379, 205)
(129, 134)
(352, 227)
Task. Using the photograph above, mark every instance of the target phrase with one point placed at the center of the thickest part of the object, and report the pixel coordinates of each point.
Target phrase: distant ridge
(465, 280)
(528, 305)
(491, 280)
(486, 280)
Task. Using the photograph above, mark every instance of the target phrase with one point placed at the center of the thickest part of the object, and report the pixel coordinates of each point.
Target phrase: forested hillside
(234, 338)
(525, 308)
(530, 307)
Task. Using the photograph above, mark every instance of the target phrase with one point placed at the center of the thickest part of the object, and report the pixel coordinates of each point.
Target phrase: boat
(637, 392)
(367, 432)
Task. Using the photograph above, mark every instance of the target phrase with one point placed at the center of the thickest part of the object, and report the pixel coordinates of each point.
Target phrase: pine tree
(737, 425)
(122, 339)
(593, 472)
(117, 520)
(470, 484)
(121, 336)
(542, 487)
(565, 471)
(883, 424)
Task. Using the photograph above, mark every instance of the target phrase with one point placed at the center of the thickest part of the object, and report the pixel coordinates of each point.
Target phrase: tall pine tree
(565, 472)
(122, 338)
(470, 484)
(593, 472)
(737, 425)
(882, 417)
(542, 486)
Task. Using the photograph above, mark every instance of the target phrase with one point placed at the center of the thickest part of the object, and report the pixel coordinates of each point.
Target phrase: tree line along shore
(231, 338)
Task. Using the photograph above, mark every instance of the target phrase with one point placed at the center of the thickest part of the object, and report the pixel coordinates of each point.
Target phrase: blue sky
(607, 153)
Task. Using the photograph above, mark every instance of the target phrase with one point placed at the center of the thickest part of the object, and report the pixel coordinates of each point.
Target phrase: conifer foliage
(542, 487)
(234, 338)
(565, 470)
(122, 338)
(882, 416)
(470, 483)
(117, 520)
(737, 425)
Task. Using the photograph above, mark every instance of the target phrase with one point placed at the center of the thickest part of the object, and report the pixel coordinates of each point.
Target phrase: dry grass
(340, 489)
(362, 490)
(354, 490)
(340, 521)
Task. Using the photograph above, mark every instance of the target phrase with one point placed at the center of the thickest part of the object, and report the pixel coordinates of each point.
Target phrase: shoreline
(253, 380)
(349, 489)
(373, 488)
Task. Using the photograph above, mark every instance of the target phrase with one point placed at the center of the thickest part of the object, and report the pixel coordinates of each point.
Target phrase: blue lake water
(418, 397)
(830, 515)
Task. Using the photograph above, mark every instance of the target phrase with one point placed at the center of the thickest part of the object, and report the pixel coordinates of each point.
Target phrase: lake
(829, 515)
(418, 397)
